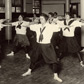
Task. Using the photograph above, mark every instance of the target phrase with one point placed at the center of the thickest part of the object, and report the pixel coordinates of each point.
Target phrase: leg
(15, 50)
(48, 53)
(55, 69)
(27, 73)
(61, 56)
(16, 44)
(2, 53)
(11, 54)
(34, 59)
(26, 51)
(25, 44)
(0, 56)
(49, 56)
(80, 59)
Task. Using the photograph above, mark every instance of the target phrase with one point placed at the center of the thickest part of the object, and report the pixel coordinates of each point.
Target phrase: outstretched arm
(2, 20)
(3, 25)
(28, 24)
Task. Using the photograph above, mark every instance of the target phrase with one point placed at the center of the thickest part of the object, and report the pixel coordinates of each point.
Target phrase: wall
(53, 6)
(29, 6)
(56, 6)
(77, 1)
(79, 9)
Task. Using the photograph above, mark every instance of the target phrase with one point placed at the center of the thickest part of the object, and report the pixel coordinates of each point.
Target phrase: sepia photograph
(41, 41)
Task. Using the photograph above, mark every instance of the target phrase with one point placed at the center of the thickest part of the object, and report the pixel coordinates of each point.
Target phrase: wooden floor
(14, 67)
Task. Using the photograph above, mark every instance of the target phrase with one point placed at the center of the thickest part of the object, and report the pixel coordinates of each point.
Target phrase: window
(37, 6)
(17, 6)
(2, 9)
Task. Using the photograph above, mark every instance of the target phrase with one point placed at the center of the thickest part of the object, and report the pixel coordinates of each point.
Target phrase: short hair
(45, 16)
(22, 16)
(74, 14)
(67, 13)
(50, 13)
(55, 13)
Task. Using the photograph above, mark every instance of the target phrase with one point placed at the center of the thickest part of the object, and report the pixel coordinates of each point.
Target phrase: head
(55, 20)
(34, 15)
(67, 15)
(36, 20)
(50, 14)
(20, 18)
(43, 18)
(74, 15)
(55, 14)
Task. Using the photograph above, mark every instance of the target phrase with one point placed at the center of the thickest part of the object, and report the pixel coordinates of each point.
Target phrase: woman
(20, 40)
(1, 43)
(69, 42)
(44, 32)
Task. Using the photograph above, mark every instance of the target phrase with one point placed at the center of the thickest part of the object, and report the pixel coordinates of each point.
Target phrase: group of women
(54, 38)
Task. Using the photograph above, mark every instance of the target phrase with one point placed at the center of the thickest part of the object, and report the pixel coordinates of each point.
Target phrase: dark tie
(67, 29)
(41, 35)
(19, 25)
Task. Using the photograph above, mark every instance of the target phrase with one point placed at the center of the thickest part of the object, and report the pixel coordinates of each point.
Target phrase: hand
(2, 20)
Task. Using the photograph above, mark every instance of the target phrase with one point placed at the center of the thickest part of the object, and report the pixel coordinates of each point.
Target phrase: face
(75, 15)
(49, 16)
(34, 15)
(20, 18)
(67, 17)
(55, 16)
(55, 20)
(42, 20)
(36, 20)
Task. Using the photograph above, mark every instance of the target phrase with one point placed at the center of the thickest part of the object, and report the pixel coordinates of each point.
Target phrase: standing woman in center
(44, 32)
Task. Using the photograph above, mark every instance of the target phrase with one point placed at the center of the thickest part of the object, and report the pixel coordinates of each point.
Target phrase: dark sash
(70, 22)
(41, 35)
(19, 25)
